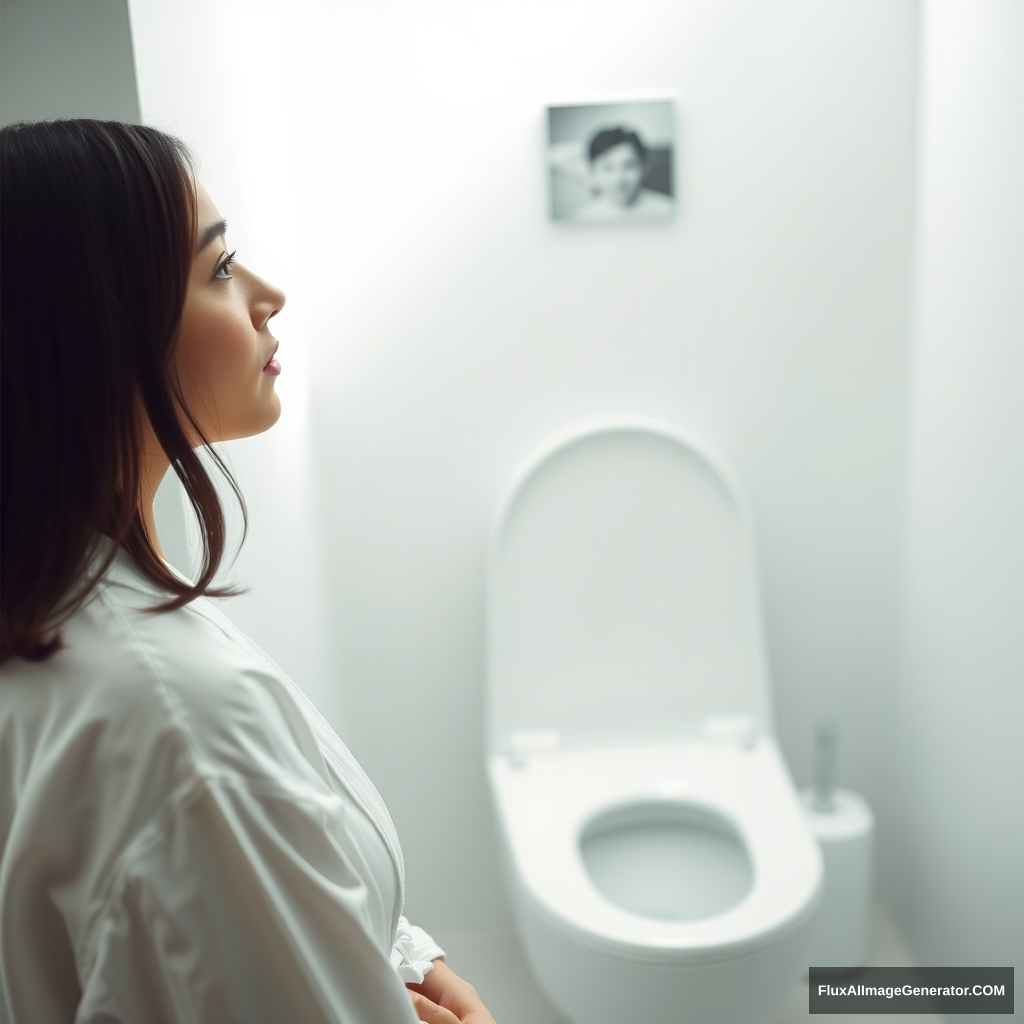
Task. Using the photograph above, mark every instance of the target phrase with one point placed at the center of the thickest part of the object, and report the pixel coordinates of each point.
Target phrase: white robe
(185, 838)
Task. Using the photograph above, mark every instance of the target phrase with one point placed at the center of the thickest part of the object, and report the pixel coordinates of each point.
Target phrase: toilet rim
(550, 871)
(640, 951)
(698, 808)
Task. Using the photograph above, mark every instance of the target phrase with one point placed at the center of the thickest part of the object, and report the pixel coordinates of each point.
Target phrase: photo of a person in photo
(618, 165)
(612, 162)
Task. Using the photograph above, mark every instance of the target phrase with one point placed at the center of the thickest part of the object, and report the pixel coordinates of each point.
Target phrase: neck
(154, 467)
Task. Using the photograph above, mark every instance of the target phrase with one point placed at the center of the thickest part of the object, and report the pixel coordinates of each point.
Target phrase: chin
(260, 422)
(271, 416)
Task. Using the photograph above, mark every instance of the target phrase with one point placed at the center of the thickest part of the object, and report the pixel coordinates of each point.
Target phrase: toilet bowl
(653, 847)
(737, 957)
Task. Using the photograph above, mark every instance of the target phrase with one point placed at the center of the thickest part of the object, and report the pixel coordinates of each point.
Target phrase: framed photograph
(612, 162)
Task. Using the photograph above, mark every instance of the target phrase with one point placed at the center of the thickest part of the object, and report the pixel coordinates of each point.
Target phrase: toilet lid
(545, 806)
(622, 600)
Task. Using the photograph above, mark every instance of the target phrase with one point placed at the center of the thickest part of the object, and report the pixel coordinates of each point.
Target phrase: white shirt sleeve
(414, 952)
(241, 906)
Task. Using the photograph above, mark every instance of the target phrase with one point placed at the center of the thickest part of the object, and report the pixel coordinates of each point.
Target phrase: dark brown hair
(608, 138)
(97, 232)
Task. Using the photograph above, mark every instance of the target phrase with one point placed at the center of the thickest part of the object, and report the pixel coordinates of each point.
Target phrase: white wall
(66, 58)
(384, 163)
(958, 826)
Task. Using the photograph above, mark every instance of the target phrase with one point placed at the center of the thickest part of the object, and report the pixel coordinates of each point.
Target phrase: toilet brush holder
(844, 826)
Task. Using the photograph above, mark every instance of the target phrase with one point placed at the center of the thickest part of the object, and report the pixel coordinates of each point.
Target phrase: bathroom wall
(958, 826)
(384, 163)
(66, 58)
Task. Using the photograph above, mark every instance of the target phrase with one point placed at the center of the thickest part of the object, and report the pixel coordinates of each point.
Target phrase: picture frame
(612, 162)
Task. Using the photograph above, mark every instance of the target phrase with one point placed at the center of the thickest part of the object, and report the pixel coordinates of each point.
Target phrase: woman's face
(225, 342)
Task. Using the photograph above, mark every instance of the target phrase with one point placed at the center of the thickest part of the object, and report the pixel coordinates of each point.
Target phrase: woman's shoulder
(232, 706)
(99, 683)
(183, 683)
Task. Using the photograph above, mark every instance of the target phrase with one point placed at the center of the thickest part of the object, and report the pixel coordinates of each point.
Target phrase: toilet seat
(545, 806)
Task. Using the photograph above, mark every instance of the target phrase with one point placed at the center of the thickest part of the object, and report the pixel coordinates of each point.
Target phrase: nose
(268, 301)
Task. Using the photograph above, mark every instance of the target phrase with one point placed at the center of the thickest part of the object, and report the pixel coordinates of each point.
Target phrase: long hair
(97, 232)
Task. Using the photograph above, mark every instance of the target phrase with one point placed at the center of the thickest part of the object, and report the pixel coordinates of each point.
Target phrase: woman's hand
(429, 1012)
(444, 989)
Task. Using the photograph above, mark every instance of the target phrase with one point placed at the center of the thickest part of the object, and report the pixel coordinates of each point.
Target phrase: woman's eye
(221, 274)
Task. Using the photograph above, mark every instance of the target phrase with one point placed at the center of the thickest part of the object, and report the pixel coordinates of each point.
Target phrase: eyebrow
(210, 233)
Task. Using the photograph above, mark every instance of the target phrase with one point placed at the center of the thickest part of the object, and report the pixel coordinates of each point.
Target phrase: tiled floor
(496, 965)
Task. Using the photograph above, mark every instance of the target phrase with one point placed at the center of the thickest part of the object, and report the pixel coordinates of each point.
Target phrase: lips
(272, 354)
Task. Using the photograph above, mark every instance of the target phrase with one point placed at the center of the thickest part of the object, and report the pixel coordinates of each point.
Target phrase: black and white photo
(612, 162)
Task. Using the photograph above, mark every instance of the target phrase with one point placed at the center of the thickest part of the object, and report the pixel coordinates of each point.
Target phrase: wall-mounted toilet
(655, 852)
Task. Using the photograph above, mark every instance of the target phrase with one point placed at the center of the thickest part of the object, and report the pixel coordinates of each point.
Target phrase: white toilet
(655, 852)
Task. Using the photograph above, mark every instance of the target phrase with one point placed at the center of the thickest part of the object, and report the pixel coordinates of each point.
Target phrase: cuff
(414, 952)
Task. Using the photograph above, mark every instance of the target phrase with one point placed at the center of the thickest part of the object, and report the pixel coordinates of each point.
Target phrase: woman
(184, 837)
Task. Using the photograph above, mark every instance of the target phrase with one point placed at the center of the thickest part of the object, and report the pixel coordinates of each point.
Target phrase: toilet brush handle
(825, 744)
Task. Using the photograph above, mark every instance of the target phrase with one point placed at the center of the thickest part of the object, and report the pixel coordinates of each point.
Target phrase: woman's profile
(184, 837)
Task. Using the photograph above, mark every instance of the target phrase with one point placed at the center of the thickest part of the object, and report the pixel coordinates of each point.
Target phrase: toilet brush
(843, 824)
(826, 738)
